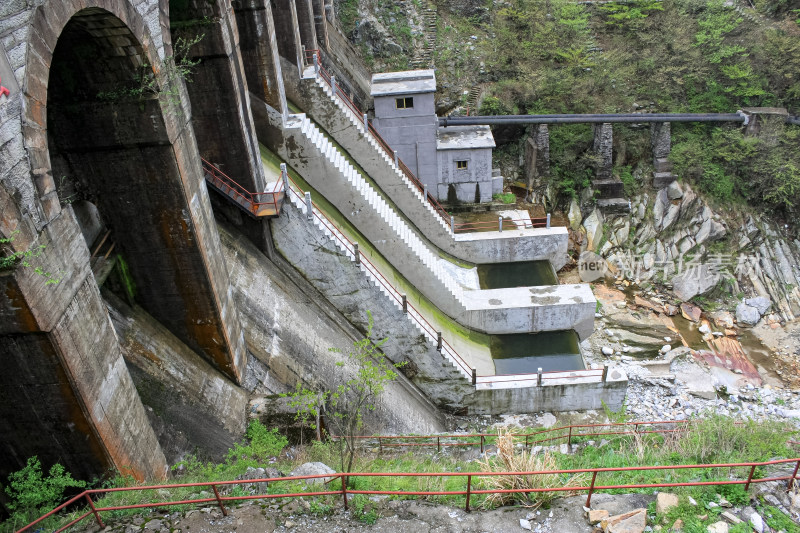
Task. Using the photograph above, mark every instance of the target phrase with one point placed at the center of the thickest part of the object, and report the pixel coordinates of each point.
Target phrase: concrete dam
(194, 209)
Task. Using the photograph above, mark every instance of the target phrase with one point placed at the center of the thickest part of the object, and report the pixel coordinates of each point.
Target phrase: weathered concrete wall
(288, 34)
(218, 92)
(199, 410)
(569, 394)
(343, 284)
(473, 184)
(259, 48)
(145, 167)
(483, 247)
(412, 132)
(290, 327)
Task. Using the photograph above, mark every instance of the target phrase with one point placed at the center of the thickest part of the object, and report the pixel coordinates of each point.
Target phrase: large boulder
(314, 469)
(694, 281)
(594, 229)
(761, 303)
(747, 315)
(674, 191)
(574, 215)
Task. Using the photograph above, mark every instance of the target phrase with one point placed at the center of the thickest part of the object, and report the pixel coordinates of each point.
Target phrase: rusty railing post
(605, 372)
(591, 489)
(405, 302)
(794, 476)
(526, 440)
(569, 437)
(356, 254)
(438, 445)
(469, 489)
(482, 440)
(380, 446)
(474, 376)
(344, 490)
(219, 500)
(438, 341)
(750, 477)
(94, 511)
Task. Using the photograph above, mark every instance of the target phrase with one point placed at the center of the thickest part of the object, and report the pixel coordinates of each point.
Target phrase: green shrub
(506, 198)
(32, 493)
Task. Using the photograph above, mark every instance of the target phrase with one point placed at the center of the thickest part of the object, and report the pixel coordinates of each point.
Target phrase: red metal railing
(469, 491)
(496, 225)
(252, 201)
(359, 115)
(446, 348)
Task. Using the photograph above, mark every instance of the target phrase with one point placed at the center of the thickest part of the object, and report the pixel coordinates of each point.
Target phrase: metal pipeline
(594, 118)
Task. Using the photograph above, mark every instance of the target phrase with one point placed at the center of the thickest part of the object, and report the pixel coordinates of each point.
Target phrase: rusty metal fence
(470, 489)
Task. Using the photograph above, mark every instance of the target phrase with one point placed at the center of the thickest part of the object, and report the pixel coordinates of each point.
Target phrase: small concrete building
(454, 162)
(405, 116)
(465, 164)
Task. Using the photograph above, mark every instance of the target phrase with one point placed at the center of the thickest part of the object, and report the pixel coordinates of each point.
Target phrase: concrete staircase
(342, 243)
(411, 246)
(423, 57)
(377, 152)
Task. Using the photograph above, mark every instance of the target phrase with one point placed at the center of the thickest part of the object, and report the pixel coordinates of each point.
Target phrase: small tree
(345, 405)
(32, 493)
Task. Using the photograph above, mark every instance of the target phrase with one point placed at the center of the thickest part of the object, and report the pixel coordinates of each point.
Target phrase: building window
(404, 103)
(461, 165)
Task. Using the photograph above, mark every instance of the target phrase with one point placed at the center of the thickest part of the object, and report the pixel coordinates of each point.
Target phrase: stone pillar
(306, 24)
(289, 42)
(541, 137)
(603, 146)
(218, 91)
(661, 141)
(537, 161)
(765, 123)
(259, 49)
(320, 24)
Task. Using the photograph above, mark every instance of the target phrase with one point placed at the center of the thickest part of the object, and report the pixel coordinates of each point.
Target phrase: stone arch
(117, 120)
(47, 23)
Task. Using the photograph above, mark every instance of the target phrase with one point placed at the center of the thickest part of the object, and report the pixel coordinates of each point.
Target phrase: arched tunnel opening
(119, 166)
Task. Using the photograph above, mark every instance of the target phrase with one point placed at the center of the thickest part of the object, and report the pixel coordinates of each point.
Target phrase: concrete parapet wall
(479, 248)
(520, 309)
(569, 394)
(290, 327)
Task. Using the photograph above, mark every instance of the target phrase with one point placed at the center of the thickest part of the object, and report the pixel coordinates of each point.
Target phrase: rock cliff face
(675, 237)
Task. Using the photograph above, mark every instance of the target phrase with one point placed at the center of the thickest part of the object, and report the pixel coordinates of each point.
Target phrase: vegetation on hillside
(698, 56)
(712, 440)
